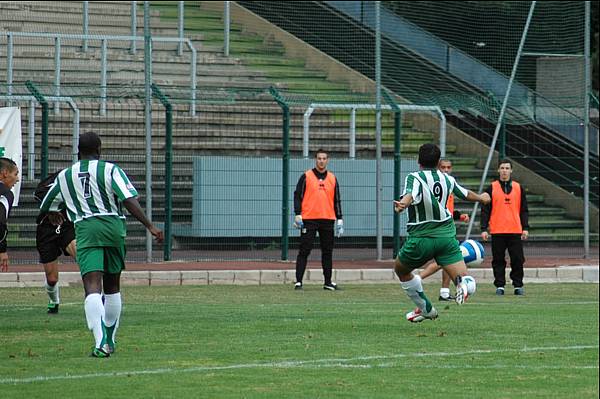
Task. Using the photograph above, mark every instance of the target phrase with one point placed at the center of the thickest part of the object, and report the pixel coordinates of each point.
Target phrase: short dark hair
(505, 160)
(89, 143)
(7, 164)
(321, 151)
(429, 155)
(445, 160)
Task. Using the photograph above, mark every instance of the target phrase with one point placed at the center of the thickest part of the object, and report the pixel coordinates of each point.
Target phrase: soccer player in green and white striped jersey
(431, 230)
(92, 191)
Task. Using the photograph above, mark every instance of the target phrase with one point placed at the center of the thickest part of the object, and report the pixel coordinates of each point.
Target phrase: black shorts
(51, 240)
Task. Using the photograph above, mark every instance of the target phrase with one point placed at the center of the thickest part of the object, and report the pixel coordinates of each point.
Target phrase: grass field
(273, 342)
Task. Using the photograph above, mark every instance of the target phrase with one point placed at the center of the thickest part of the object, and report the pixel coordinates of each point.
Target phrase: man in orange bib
(506, 219)
(317, 206)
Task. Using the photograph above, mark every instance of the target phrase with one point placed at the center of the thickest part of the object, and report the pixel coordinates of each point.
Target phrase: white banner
(10, 142)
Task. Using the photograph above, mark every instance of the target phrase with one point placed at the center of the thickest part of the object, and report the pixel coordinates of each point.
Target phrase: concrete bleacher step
(255, 130)
(163, 65)
(100, 8)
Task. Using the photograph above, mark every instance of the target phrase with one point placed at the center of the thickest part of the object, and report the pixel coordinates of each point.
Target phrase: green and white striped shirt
(89, 188)
(430, 190)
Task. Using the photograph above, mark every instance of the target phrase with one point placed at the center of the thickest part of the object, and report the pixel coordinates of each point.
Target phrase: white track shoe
(417, 315)
(462, 293)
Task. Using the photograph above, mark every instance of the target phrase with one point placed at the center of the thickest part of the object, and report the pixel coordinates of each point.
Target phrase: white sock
(112, 306)
(94, 314)
(414, 290)
(53, 292)
(445, 292)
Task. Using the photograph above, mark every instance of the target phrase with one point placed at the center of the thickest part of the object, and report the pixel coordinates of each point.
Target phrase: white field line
(9, 308)
(316, 363)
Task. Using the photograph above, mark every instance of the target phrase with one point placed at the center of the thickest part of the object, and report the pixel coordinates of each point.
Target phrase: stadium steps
(243, 132)
(547, 223)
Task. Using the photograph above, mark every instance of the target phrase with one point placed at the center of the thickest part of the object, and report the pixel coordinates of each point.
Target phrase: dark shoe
(100, 353)
(500, 291)
(519, 291)
(448, 298)
(298, 286)
(52, 308)
(331, 287)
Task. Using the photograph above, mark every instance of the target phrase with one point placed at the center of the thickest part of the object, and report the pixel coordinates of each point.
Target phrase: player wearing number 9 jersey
(431, 230)
(428, 215)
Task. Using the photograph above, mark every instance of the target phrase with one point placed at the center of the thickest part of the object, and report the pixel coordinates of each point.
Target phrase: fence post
(9, 64)
(42, 100)
(180, 12)
(31, 141)
(168, 169)
(285, 172)
(397, 164)
(352, 143)
(133, 27)
(226, 28)
(84, 45)
(103, 66)
(193, 79)
(586, 133)
(57, 50)
(148, 122)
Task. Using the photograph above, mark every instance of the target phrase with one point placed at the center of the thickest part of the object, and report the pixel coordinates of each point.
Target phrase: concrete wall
(241, 197)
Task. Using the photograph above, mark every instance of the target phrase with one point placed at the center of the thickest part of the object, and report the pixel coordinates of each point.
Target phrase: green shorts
(417, 251)
(109, 260)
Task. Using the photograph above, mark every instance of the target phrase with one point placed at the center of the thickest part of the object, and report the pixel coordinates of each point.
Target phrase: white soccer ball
(471, 285)
(472, 252)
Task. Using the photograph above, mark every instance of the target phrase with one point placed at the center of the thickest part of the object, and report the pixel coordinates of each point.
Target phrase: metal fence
(230, 118)
(225, 192)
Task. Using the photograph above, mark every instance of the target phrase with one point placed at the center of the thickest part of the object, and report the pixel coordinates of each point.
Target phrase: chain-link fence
(225, 199)
(225, 193)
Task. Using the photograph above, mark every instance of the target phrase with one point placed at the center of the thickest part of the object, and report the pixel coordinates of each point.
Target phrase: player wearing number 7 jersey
(92, 190)
(431, 230)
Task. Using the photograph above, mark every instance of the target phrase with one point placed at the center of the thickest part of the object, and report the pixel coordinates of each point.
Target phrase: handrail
(57, 37)
(353, 107)
(31, 129)
(156, 92)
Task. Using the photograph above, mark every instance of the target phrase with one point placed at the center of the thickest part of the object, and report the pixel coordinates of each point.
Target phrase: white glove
(298, 223)
(339, 228)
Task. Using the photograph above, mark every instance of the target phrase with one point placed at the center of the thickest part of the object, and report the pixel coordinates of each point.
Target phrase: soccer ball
(471, 285)
(472, 252)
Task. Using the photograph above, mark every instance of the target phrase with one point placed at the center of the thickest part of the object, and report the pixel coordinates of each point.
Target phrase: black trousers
(307, 237)
(512, 242)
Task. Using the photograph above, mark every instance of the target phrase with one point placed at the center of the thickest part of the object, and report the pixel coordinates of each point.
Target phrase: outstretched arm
(133, 206)
(483, 198)
(404, 203)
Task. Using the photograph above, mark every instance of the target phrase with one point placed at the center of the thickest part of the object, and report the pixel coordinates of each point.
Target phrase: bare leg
(429, 270)
(445, 288)
(72, 249)
(51, 270)
(457, 271)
